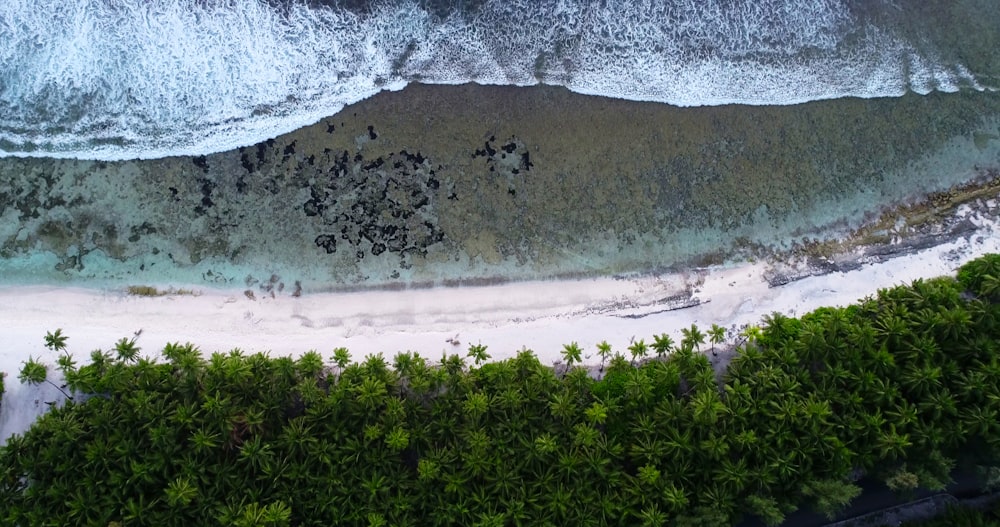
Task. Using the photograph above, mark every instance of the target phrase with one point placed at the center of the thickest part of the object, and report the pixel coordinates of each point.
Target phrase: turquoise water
(478, 184)
(273, 154)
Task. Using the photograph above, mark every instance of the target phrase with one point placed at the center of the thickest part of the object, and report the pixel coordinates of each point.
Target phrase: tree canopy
(903, 386)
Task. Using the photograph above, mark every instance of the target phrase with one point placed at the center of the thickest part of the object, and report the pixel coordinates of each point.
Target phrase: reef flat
(473, 184)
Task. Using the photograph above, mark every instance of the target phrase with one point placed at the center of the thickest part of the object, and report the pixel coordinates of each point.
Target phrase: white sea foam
(136, 79)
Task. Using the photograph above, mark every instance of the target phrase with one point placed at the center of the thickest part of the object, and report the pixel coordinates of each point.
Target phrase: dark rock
(246, 162)
(377, 203)
(288, 151)
(311, 208)
(261, 153)
(272, 185)
(327, 242)
(201, 162)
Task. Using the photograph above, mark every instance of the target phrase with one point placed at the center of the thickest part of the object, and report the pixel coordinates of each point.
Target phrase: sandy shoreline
(595, 187)
(539, 315)
(542, 315)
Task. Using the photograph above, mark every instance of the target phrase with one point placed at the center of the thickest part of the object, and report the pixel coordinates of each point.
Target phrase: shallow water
(451, 184)
(447, 182)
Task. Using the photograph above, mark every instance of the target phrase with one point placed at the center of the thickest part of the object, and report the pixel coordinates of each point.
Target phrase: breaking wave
(119, 79)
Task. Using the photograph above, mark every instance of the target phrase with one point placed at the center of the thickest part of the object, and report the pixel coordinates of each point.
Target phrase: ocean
(127, 79)
(317, 145)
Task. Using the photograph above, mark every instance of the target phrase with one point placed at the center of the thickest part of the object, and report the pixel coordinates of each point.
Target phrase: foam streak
(134, 79)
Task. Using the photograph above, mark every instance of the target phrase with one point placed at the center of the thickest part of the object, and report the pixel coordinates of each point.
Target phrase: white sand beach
(541, 316)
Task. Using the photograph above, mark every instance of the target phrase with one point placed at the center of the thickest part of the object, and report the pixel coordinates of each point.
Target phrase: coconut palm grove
(903, 387)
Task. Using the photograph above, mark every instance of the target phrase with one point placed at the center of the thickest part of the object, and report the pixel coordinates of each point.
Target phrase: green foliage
(478, 353)
(903, 385)
(961, 517)
(903, 481)
(831, 496)
(33, 372)
(980, 276)
(990, 476)
(572, 354)
(55, 341)
(766, 508)
(717, 335)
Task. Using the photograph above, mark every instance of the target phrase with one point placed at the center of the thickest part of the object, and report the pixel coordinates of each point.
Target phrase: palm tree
(341, 357)
(693, 337)
(478, 353)
(571, 354)
(706, 408)
(675, 498)
(638, 386)
(662, 345)
(597, 414)
(55, 341)
(766, 508)
(563, 407)
(717, 335)
(309, 365)
(604, 350)
(751, 334)
(578, 380)
(67, 366)
(127, 350)
(34, 372)
(476, 405)
(920, 380)
(397, 439)
(638, 350)
(979, 421)
(891, 444)
(618, 363)
(652, 516)
(734, 474)
(832, 496)
(371, 392)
